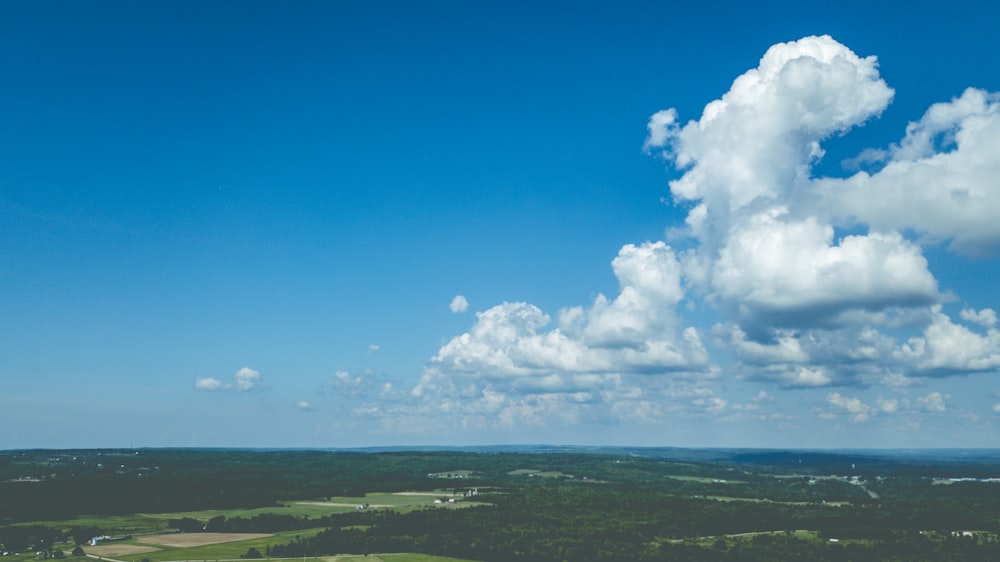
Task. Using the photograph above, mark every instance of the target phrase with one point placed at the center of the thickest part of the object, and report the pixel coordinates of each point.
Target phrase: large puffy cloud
(942, 179)
(757, 140)
(515, 359)
(946, 347)
(863, 355)
(781, 268)
(747, 163)
(637, 332)
(805, 306)
(817, 282)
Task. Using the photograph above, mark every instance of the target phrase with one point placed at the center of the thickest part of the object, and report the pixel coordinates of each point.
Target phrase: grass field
(400, 557)
(297, 509)
(229, 548)
(154, 542)
(147, 523)
(540, 473)
(398, 501)
(703, 480)
(710, 540)
(765, 500)
(454, 474)
(196, 546)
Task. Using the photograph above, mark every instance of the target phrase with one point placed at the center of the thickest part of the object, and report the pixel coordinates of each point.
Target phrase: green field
(216, 555)
(399, 501)
(144, 524)
(454, 474)
(140, 523)
(220, 551)
(539, 473)
(529, 507)
(400, 557)
(703, 480)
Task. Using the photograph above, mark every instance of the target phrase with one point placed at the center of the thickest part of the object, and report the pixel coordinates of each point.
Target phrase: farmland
(170, 505)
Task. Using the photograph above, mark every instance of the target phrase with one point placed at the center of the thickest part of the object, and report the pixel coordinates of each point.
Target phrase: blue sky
(332, 224)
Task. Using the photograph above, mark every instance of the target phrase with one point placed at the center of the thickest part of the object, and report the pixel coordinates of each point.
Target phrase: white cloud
(858, 411)
(637, 332)
(933, 402)
(459, 304)
(781, 269)
(244, 380)
(985, 317)
(767, 254)
(755, 141)
(348, 385)
(373, 348)
(303, 405)
(817, 282)
(804, 377)
(946, 347)
(940, 180)
(247, 379)
(996, 407)
(662, 127)
(888, 405)
(764, 256)
(210, 384)
(784, 348)
(515, 363)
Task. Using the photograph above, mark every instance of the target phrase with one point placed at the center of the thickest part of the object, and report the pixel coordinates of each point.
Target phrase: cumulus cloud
(807, 306)
(888, 405)
(518, 360)
(857, 410)
(813, 281)
(637, 332)
(941, 179)
(946, 347)
(373, 348)
(763, 256)
(247, 379)
(933, 402)
(358, 389)
(244, 380)
(459, 304)
(303, 405)
(985, 317)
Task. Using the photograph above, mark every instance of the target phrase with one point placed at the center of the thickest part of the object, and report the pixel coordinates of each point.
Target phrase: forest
(494, 504)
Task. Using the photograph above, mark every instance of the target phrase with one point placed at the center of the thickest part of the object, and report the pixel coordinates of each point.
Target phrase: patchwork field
(402, 501)
(203, 546)
(119, 549)
(187, 540)
(393, 557)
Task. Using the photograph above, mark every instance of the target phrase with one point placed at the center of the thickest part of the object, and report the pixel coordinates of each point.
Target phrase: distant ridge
(937, 463)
